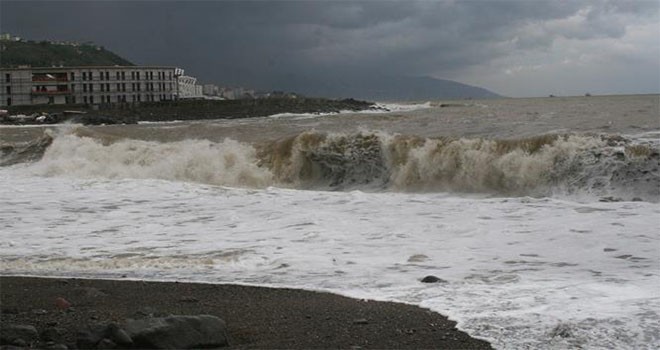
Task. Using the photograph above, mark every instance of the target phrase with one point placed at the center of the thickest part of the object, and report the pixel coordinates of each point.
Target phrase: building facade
(188, 87)
(96, 85)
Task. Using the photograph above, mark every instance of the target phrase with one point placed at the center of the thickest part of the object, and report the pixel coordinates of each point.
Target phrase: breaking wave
(608, 166)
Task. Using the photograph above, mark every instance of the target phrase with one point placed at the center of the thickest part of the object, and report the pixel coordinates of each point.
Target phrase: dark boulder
(103, 336)
(16, 334)
(178, 332)
(433, 279)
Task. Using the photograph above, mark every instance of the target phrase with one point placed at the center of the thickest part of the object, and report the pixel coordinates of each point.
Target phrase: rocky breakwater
(177, 110)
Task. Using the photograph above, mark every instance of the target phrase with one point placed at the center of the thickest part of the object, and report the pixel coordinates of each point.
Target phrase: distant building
(210, 90)
(9, 37)
(188, 87)
(87, 85)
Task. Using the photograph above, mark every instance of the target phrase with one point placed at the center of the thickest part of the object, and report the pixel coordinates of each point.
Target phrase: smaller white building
(188, 87)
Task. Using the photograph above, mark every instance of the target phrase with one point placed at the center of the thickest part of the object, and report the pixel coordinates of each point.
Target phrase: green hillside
(46, 54)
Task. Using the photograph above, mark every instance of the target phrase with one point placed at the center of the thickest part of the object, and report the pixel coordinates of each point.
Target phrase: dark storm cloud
(261, 43)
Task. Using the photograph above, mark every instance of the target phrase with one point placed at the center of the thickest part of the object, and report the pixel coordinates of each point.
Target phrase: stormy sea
(540, 217)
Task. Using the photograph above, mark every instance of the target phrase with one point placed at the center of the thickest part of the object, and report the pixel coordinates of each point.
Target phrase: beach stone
(106, 343)
(118, 335)
(16, 334)
(178, 332)
(53, 334)
(433, 279)
(88, 337)
(62, 303)
(99, 336)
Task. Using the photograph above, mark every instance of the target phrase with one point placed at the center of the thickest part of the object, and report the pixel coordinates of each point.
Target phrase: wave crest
(602, 165)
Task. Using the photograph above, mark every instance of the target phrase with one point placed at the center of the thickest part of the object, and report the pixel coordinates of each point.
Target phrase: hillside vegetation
(46, 54)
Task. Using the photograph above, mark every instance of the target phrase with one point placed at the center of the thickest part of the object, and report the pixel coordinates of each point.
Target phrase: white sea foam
(228, 163)
(521, 272)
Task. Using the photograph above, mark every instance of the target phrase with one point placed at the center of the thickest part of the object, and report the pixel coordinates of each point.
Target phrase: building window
(118, 87)
(107, 75)
(89, 74)
(107, 86)
(123, 87)
(170, 75)
(132, 75)
(123, 75)
(91, 99)
(73, 76)
(102, 87)
(139, 98)
(117, 75)
(100, 75)
(73, 87)
(7, 80)
(91, 88)
(137, 75)
(73, 99)
(8, 90)
(84, 87)
(8, 101)
(84, 76)
(85, 99)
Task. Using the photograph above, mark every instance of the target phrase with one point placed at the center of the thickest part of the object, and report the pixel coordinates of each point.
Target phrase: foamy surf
(597, 166)
(520, 272)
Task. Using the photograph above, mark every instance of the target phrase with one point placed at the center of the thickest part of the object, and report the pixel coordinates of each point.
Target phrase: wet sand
(256, 317)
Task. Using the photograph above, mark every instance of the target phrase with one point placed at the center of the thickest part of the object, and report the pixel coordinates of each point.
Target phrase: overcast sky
(515, 48)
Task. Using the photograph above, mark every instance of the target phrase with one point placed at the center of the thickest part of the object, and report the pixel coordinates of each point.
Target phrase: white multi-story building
(87, 85)
(187, 87)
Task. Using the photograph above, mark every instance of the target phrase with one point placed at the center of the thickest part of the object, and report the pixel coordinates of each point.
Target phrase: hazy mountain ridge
(380, 87)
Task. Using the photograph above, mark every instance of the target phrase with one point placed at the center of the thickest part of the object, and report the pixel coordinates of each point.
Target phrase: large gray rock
(16, 334)
(177, 332)
(101, 336)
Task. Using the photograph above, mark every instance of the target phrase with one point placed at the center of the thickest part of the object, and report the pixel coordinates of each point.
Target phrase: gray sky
(515, 48)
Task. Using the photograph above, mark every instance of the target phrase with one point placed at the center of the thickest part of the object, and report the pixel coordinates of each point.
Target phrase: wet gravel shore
(255, 317)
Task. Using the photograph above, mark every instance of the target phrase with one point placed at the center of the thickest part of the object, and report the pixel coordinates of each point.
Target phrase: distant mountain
(47, 54)
(380, 87)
